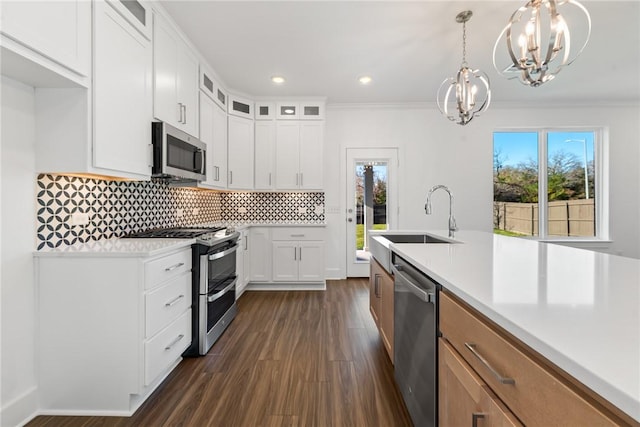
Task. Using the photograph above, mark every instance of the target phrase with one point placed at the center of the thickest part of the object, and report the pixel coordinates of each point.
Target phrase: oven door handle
(212, 298)
(224, 253)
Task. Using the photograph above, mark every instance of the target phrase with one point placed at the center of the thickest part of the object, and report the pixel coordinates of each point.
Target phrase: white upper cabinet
(175, 79)
(240, 153)
(210, 86)
(122, 94)
(300, 110)
(265, 135)
(54, 32)
(240, 107)
(299, 153)
(213, 132)
(265, 111)
(137, 12)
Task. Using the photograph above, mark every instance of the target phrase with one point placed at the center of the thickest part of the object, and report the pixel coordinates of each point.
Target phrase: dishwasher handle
(404, 280)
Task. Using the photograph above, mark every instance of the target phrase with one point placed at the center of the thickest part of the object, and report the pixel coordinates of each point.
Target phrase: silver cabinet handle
(269, 178)
(503, 380)
(295, 254)
(230, 177)
(217, 178)
(174, 342)
(185, 113)
(173, 267)
(300, 258)
(376, 285)
(475, 417)
(246, 243)
(297, 235)
(179, 112)
(173, 301)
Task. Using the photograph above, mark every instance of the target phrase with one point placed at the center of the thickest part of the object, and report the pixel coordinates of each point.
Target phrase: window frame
(601, 180)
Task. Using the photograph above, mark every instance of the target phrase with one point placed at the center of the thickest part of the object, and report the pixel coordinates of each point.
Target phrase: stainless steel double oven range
(213, 281)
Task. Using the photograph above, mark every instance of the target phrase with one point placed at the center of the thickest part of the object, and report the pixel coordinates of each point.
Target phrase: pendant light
(464, 86)
(539, 41)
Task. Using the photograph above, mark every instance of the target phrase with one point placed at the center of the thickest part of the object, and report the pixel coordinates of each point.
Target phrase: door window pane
(371, 203)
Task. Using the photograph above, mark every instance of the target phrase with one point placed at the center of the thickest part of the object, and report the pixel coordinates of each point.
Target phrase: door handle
(350, 219)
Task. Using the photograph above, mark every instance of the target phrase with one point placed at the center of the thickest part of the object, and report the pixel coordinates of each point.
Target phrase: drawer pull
(173, 301)
(173, 267)
(503, 380)
(174, 342)
(475, 417)
(297, 235)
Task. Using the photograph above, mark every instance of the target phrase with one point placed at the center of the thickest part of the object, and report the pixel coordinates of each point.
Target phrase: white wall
(17, 180)
(436, 151)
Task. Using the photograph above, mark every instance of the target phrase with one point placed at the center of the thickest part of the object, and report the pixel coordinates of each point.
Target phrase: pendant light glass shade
(538, 41)
(465, 96)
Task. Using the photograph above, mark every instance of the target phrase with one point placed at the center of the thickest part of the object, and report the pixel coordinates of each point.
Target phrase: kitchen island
(578, 309)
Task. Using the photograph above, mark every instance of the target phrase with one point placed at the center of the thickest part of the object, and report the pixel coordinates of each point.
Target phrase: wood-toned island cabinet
(487, 377)
(381, 303)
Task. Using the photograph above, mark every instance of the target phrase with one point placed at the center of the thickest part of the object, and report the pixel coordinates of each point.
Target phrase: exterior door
(372, 201)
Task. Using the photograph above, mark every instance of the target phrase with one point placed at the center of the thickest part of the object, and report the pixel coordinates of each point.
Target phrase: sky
(519, 147)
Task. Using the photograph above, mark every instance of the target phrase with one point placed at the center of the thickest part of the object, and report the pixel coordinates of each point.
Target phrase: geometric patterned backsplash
(274, 208)
(116, 208)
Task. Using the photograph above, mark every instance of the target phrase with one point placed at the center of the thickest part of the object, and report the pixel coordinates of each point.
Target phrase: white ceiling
(321, 47)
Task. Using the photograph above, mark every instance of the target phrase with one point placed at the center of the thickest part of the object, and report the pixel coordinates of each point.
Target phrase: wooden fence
(565, 217)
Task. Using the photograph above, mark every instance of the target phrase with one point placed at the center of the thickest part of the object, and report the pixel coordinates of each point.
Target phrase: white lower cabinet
(110, 328)
(298, 261)
(243, 262)
(287, 257)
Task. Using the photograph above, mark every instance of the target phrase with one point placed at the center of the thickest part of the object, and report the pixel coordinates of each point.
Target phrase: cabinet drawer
(167, 267)
(166, 347)
(537, 396)
(297, 233)
(165, 303)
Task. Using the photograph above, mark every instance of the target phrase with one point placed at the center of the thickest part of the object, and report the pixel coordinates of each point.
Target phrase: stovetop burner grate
(174, 233)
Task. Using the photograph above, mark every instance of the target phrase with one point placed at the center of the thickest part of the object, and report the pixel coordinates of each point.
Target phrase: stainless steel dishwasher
(415, 341)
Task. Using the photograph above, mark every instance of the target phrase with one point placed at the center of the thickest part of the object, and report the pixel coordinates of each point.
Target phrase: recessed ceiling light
(365, 80)
(277, 79)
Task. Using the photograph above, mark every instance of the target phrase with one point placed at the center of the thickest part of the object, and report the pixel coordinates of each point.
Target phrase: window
(548, 183)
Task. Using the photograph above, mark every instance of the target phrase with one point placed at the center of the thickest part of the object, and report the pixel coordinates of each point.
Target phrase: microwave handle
(200, 155)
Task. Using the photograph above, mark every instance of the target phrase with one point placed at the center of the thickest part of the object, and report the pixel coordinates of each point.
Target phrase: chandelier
(463, 85)
(538, 41)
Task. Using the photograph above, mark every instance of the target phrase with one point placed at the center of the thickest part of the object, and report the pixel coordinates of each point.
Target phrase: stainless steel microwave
(177, 154)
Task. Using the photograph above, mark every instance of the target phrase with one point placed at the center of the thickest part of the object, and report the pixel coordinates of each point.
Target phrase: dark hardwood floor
(288, 359)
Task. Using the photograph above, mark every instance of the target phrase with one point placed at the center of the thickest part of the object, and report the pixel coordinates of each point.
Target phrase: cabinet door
(374, 290)
(207, 107)
(59, 30)
(386, 311)
(187, 88)
(311, 153)
(219, 153)
(122, 97)
(464, 399)
(311, 261)
(264, 155)
(260, 252)
(165, 48)
(287, 156)
(285, 261)
(213, 132)
(240, 150)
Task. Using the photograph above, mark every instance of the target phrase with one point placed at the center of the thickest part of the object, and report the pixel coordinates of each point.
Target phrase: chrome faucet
(427, 207)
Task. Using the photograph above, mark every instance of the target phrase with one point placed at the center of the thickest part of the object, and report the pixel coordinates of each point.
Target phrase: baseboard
(20, 410)
(285, 286)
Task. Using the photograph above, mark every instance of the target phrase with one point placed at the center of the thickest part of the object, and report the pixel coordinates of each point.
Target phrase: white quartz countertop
(580, 309)
(118, 248)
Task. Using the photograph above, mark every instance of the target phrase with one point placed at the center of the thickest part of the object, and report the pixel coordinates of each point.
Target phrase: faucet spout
(453, 227)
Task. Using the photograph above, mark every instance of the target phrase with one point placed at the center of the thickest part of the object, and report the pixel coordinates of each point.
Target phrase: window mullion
(542, 185)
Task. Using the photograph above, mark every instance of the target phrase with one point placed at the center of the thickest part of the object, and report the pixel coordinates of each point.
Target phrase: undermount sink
(413, 238)
(379, 244)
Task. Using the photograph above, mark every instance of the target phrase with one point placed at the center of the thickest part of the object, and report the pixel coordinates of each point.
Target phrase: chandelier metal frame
(465, 91)
(533, 65)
